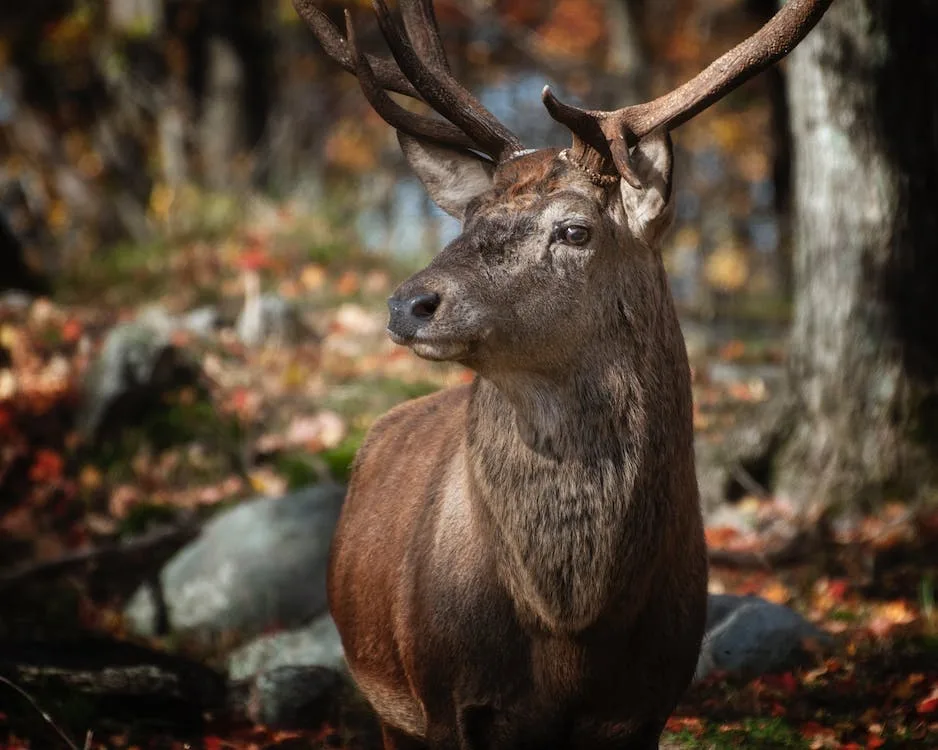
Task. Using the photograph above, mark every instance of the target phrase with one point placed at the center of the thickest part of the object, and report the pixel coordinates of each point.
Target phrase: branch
(170, 539)
(785, 552)
(32, 701)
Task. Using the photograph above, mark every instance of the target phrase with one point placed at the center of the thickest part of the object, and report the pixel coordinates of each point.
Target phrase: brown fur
(520, 562)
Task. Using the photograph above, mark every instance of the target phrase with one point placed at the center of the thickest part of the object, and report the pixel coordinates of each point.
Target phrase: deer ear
(451, 177)
(649, 209)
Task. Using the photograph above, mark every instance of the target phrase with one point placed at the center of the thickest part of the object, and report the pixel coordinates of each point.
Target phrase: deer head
(554, 242)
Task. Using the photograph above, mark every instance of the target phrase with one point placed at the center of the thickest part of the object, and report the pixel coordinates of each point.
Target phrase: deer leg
(395, 739)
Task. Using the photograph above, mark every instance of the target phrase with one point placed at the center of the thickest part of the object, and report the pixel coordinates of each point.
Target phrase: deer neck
(553, 465)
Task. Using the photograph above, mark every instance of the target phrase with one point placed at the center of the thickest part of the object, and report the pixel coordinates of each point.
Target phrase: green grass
(299, 470)
(339, 459)
(768, 734)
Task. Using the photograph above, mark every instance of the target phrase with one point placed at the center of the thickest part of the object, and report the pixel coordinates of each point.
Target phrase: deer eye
(574, 234)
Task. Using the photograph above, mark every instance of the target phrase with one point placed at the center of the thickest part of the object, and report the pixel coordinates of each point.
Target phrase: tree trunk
(864, 345)
(222, 114)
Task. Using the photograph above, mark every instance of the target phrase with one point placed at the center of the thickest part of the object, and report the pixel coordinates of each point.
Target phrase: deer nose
(411, 313)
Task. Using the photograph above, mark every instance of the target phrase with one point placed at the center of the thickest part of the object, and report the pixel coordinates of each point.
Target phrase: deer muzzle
(409, 314)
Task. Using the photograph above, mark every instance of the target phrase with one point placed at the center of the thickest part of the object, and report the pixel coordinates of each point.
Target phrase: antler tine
(386, 72)
(424, 32)
(609, 134)
(442, 92)
(395, 115)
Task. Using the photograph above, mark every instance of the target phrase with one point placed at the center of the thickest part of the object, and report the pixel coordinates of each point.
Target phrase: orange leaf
(775, 591)
(71, 331)
(720, 536)
(733, 349)
(814, 729)
(348, 283)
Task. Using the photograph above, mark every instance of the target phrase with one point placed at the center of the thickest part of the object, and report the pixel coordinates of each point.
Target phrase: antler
(392, 112)
(600, 137)
(421, 72)
(386, 72)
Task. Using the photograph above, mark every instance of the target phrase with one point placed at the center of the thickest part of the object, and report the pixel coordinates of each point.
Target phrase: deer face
(553, 244)
(545, 261)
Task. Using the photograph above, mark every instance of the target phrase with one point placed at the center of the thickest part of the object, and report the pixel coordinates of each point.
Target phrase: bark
(222, 114)
(864, 345)
(626, 56)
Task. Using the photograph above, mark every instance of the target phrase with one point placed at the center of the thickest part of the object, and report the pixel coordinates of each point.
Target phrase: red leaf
(930, 704)
(788, 682)
(837, 589)
(47, 466)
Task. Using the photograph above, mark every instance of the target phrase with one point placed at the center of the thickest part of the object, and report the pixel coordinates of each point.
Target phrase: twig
(137, 546)
(44, 715)
(747, 481)
(787, 552)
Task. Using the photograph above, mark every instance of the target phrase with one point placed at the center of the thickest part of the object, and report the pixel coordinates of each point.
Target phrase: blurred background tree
(114, 111)
(862, 422)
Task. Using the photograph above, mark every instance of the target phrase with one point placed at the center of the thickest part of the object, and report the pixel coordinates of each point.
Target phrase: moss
(339, 459)
(124, 273)
(187, 443)
(298, 470)
(143, 515)
(362, 401)
(185, 417)
(843, 615)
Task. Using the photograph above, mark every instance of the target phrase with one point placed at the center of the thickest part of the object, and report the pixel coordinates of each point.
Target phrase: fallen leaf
(929, 704)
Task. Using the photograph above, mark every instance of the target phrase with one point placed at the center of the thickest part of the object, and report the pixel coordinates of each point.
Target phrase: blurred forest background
(123, 119)
(200, 219)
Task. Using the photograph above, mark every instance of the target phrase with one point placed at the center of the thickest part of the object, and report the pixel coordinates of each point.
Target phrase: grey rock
(314, 645)
(137, 364)
(15, 300)
(751, 636)
(203, 321)
(256, 567)
(293, 698)
(268, 318)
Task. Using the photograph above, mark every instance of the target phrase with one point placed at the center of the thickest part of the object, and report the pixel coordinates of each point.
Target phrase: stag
(520, 562)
